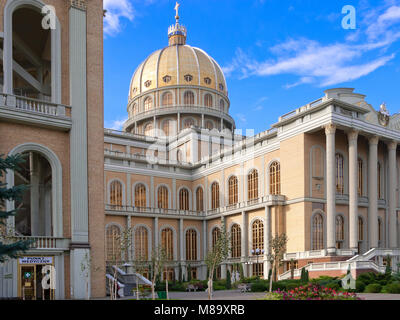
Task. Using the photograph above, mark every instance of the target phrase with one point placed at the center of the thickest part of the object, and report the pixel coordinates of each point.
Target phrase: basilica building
(326, 174)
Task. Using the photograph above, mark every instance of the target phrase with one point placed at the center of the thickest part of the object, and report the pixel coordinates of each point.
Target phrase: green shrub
(373, 288)
(259, 286)
(393, 287)
(333, 285)
(360, 285)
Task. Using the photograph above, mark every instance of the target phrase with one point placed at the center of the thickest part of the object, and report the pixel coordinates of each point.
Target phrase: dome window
(148, 104)
(167, 99)
(134, 90)
(208, 100)
(166, 79)
(221, 87)
(221, 105)
(207, 80)
(188, 98)
(147, 83)
(188, 77)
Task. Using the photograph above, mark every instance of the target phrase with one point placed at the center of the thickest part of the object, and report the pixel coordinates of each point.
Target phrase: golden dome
(177, 65)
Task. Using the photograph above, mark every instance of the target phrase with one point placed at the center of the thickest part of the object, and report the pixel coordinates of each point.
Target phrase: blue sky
(277, 55)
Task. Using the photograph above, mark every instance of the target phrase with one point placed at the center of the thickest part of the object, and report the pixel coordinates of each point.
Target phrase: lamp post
(257, 252)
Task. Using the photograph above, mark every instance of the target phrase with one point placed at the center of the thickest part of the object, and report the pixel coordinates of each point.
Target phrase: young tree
(278, 247)
(228, 280)
(291, 269)
(215, 256)
(140, 265)
(158, 259)
(124, 241)
(9, 248)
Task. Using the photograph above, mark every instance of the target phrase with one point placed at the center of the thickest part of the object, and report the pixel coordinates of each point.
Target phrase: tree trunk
(153, 293)
(272, 275)
(166, 286)
(137, 289)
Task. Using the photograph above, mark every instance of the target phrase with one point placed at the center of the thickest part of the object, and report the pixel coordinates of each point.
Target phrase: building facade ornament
(79, 4)
(383, 115)
(330, 128)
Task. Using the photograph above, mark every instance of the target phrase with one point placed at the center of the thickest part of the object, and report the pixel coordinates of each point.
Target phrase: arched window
(216, 233)
(134, 109)
(360, 234)
(167, 127)
(214, 195)
(162, 197)
(258, 235)
(222, 105)
(236, 241)
(275, 178)
(209, 125)
(184, 199)
(199, 200)
(113, 243)
(252, 185)
(208, 100)
(188, 123)
(148, 104)
(191, 244)
(167, 237)
(140, 195)
(141, 244)
(188, 98)
(339, 232)
(166, 99)
(116, 193)
(360, 229)
(148, 129)
(317, 232)
(379, 181)
(360, 177)
(380, 232)
(339, 174)
(233, 190)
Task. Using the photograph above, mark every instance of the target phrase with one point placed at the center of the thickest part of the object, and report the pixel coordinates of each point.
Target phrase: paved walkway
(237, 295)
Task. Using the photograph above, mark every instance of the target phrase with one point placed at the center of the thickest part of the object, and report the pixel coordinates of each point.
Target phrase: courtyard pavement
(237, 295)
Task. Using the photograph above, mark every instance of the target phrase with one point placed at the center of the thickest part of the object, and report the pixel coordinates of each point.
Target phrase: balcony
(39, 243)
(154, 211)
(39, 112)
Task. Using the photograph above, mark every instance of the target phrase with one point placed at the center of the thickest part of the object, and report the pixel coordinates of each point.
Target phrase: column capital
(392, 145)
(330, 128)
(373, 140)
(79, 4)
(352, 135)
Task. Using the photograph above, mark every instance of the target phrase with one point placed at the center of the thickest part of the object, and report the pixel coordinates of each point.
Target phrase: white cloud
(327, 64)
(116, 11)
(115, 124)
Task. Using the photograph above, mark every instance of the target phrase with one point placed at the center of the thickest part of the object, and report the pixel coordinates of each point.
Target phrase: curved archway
(56, 169)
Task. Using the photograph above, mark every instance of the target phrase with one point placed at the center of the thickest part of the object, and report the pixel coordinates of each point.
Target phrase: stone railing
(36, 106)
(147, 210)
(316, 254)
(42, 242)
(308, 106)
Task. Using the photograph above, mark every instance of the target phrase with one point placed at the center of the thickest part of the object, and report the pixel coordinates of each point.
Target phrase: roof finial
(177, 5)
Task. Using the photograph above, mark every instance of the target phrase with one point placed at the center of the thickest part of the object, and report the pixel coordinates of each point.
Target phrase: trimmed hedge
(373, 288)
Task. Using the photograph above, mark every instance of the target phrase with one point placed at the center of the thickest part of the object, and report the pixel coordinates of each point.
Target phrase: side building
(51, 112)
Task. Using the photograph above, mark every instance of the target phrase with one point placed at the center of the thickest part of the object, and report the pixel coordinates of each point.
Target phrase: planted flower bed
(311, 292)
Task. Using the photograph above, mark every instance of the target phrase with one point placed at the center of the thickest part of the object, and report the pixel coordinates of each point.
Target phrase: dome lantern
(177, 33)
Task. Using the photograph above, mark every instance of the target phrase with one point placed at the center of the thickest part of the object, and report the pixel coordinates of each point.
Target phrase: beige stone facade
(326, 174)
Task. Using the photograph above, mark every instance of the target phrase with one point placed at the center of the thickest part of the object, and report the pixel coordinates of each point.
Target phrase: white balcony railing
(42, 242)
(36, 106)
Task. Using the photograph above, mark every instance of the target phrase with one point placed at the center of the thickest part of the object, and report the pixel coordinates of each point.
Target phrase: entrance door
(31, 283)
(28, 283)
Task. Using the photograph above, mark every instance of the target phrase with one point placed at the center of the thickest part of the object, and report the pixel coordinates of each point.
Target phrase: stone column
(80, 249)
(223, 265)
(373, 192)
(155, 231)
(353, 188)
(204, 273)
(330, 130)
(244, 238)
(267, 236)
(392, 147)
